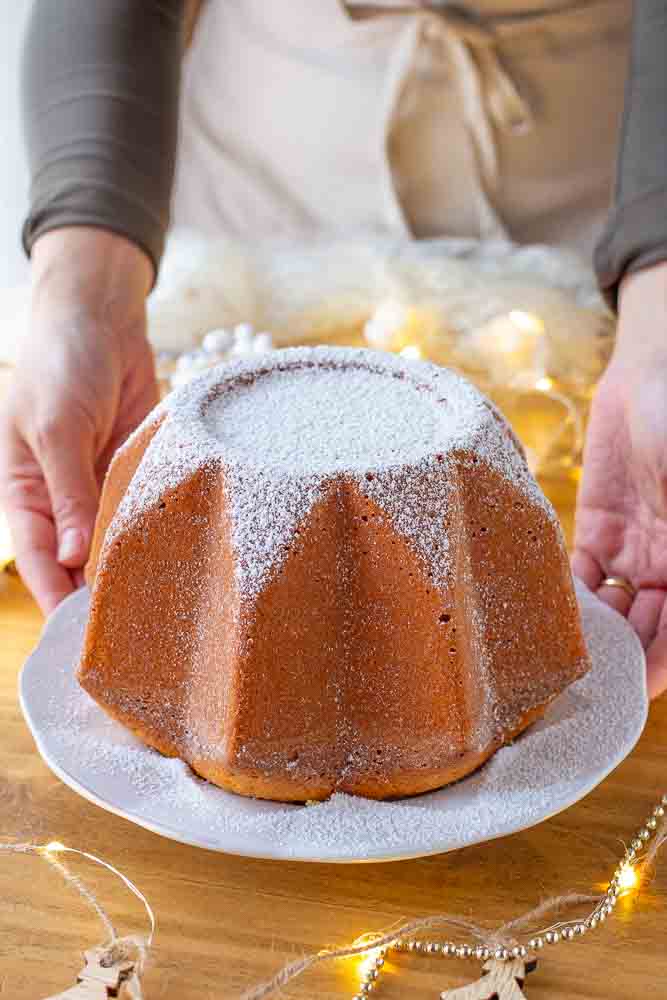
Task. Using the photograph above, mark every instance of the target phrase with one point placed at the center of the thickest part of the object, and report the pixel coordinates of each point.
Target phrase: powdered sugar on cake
(326, 420)
(281, 427)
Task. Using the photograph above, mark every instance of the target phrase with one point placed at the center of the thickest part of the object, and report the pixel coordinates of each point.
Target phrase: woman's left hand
(621, 523)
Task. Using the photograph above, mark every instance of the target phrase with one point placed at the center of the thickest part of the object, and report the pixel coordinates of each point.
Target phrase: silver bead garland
(566, 931)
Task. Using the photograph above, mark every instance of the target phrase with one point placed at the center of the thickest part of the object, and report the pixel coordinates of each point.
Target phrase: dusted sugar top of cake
(314, 421)
(285, 427)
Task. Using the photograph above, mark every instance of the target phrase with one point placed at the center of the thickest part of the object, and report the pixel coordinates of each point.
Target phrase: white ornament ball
(243, 333)
(263, 342)
(192, 361)
(217, 341)
(241, 350)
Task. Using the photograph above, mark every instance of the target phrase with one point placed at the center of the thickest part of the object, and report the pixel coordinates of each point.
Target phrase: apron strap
(490, 100)
(489, 96)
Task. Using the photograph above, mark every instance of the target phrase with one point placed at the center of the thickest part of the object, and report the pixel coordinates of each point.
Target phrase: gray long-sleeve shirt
(636, 232)
(100, 105)
(101, 85)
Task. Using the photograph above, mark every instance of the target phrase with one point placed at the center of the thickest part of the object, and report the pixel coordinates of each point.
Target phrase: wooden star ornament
(98, 981)
(499, 981)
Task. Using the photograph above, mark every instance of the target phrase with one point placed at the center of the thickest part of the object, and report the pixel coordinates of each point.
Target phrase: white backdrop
(13, 166)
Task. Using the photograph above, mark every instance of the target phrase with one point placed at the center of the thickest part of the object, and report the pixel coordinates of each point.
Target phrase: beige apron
(307, 116)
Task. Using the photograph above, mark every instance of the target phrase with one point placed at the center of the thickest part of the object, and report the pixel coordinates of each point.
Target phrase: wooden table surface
(226, 922)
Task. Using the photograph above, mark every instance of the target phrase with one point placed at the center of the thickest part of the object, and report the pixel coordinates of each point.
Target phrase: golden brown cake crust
(364, 661)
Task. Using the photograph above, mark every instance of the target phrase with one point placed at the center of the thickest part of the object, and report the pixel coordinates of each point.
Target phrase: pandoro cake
(327, 570)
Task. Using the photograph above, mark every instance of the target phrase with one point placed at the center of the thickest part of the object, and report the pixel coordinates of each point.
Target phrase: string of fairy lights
(628, 875)
(372, 951)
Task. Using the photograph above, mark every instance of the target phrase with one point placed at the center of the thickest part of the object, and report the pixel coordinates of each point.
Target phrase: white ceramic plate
(585, 734)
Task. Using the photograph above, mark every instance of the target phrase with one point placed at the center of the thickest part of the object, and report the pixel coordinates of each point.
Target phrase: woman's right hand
(84, 380)
(621, 525)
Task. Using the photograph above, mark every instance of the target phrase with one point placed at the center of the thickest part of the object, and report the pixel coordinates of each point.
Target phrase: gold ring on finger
(620, 581)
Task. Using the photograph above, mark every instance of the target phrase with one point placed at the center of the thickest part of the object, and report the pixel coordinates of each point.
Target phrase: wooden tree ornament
(98, 981)
(499, 981)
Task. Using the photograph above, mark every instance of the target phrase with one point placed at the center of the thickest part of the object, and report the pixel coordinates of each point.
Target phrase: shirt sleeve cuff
(101, 207)
(635, 237)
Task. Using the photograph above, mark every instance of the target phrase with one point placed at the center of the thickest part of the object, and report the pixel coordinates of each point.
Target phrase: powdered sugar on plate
(586, 732)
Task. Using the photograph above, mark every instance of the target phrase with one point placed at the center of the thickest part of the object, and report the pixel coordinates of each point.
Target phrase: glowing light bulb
(54, 847)
(526, 322)
(509, 347)
(368, 962)
(386, 323)
(411, 352)
(628, 878)
(544, 384)
(6, 547)
(508, 340)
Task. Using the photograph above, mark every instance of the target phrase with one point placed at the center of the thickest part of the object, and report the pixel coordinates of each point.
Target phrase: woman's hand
(621, 525)
(84, 380)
